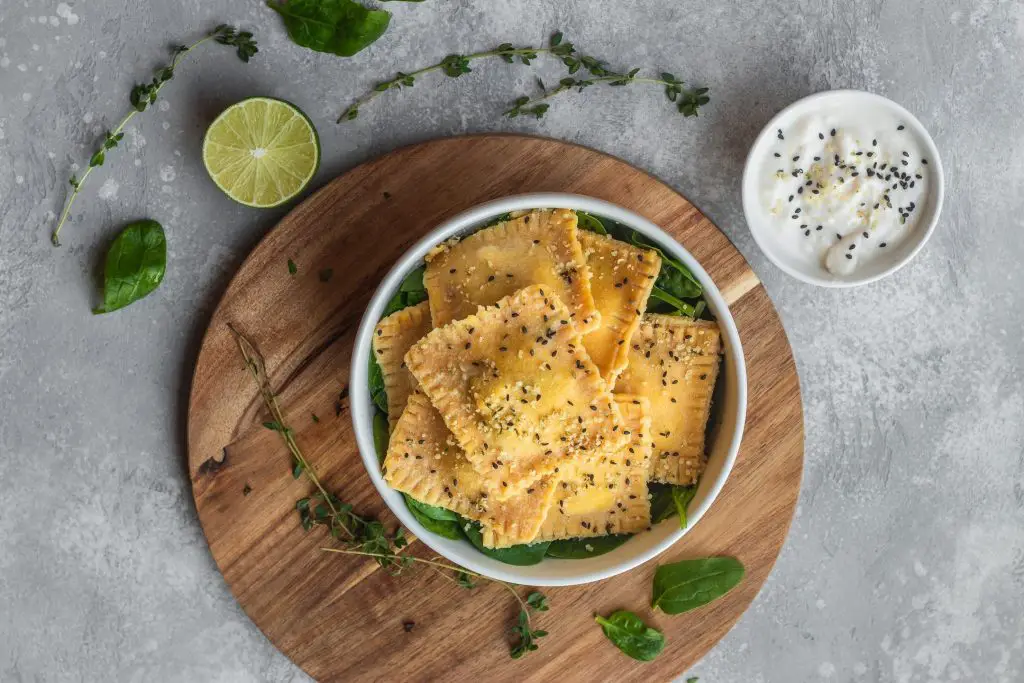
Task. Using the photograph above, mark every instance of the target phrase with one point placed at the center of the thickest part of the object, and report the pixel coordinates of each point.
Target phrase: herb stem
(406, 78)
(142, 97)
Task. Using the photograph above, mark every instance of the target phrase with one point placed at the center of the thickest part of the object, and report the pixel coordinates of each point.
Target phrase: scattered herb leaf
(681, 497)
(339, 27)
(292, 268)
(315, 418)
(631, 635)
(682, 586)
(145, 94)
(135, 265)
(688, 102)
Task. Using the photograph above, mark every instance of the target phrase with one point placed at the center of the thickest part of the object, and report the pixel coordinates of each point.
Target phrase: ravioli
(516, 387)
(424, 461)
(391, 340)
(608, 496)
(621, 279)
(673, 361)
(537, 248)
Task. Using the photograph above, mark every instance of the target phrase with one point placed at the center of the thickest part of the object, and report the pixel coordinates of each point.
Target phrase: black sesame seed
(924, 161)
(796, 158)
(874, 143)
(777, 155)
(906, 154)
(821, 136)
(852, 247)
(790, 197)
(819, 227)
(881, 245)
(780, 134)
(865, 235)
(849, 256)
(833, 132)
(900, 127)
(807, 233)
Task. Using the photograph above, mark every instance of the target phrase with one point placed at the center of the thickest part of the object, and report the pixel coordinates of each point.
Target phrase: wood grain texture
(340, 618)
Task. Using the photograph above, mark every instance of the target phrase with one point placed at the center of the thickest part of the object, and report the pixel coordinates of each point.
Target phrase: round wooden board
(340, 618)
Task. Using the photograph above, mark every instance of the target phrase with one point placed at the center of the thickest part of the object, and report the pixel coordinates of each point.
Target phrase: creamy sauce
(841, 187)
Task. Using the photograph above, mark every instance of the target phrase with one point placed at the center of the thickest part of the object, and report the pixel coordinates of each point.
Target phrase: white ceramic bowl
(722, 445)
(834, 101)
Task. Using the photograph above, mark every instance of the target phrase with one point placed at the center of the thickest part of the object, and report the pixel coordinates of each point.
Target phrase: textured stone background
(906, 558)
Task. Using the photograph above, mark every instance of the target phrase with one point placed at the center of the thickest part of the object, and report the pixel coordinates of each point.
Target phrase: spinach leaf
(376, 382)
(381, 434)
(662, 503)
(577, 548)
(432, 511)
(681, 497)
(500, 218)
(135, 265)
(413, 282)
(674, 278)
(682, 586)
(339, 27)
(520, 555)
(591, 223)
(631, 635)
(444, 528)
(681, 307)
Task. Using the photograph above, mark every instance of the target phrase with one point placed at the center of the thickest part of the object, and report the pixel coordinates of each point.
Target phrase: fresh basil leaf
(339, 27)
(682, 586)
(591, 223)
(681, 306)
(376, 381)
(446, 529)
(582, 548)
(631, 635)
(381, 434)
(520, 555)
(413, 282)
(135, 265)
(432, 511)
(681, 497)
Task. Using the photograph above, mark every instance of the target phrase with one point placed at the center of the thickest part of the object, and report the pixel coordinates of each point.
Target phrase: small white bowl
(723, 442)
(829, 102)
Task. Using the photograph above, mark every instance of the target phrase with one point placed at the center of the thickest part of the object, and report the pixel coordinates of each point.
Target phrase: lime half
(261, 151)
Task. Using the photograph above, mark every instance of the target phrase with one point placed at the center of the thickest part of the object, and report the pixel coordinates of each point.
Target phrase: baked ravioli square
(621, 279)
(391, 340)
(673, 362)
(609, 495)
(516, 387)
(425, 462)
(536, 248)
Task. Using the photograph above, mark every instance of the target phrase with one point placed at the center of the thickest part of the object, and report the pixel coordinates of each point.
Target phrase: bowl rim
(750, 211)
(361, 402)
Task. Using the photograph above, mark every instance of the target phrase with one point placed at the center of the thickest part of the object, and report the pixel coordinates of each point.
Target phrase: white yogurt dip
(841, 185)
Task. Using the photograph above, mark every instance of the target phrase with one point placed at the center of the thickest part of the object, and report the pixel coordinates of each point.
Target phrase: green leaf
(662, 502)
(292, 268)
(135, 265)
(674, 278)
(519, 555)
(678, 305)
(376, 381)
(681, 497)
(582, 548)
(297, 471)
(591, 223)
(381, 434)
(413, 282)
(97, 158)
(538, 601)
(432, 511)
(631, 635)
(682, 586)
(339, 27)
(274, 426)
(443, 528)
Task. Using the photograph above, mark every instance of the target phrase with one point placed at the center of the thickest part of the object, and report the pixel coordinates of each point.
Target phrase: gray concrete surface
(906, 558)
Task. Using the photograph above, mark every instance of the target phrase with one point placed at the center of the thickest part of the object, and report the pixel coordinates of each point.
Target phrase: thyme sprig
(322, 508)
(523, 631)
(687, 101)
(367, 537)
(145, 94)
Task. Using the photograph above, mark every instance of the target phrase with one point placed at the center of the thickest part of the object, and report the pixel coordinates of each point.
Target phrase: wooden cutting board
(341, 618)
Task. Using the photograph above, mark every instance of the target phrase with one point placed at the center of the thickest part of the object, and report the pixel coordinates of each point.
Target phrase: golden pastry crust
(518, 390)
(673, 361)
(608, 496)
(424, 461)
(392, 338)
(621, 279)
(537, 248)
